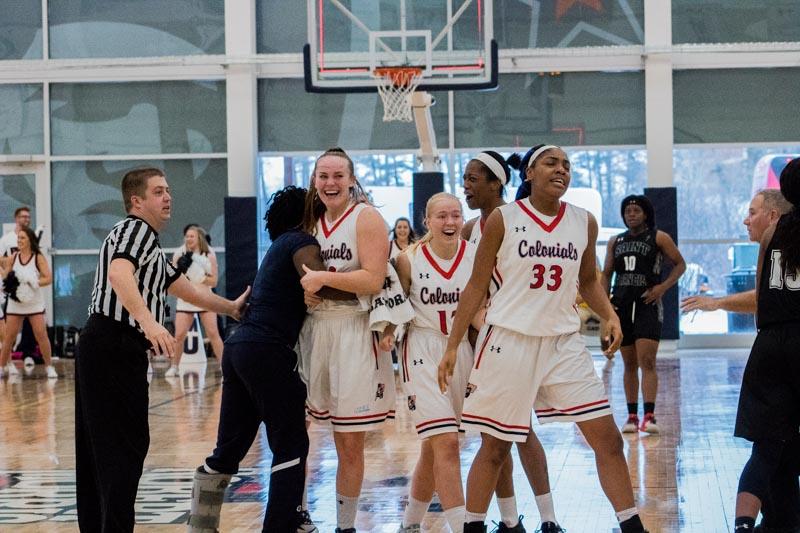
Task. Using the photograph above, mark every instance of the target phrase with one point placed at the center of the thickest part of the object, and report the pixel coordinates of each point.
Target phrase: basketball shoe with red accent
(631, 425)
(649, 424)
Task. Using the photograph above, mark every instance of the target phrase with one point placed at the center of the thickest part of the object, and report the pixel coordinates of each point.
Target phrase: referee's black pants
(260, 384)
(111, 430)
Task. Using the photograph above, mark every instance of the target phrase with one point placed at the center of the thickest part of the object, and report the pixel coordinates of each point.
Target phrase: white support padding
(421, 103)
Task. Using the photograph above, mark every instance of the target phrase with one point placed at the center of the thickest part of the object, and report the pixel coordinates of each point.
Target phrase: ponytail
(787, 233)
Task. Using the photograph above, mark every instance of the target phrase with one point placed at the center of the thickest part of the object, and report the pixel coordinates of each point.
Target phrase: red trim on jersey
(547, 227)
(448, 274)
(483, 347)
(375, 348)
(572, 408)
(327, 232)
(429, 422)
(406, 376)
(493, 421)
(497, 274)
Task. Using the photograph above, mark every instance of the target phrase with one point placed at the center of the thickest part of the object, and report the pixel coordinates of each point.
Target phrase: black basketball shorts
(640, 320)
(769, 403)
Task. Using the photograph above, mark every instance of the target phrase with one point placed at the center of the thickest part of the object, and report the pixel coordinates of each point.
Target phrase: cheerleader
(28, 272)
(199, 262)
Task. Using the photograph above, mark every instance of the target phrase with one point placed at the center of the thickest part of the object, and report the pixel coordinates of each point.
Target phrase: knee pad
(208, 492)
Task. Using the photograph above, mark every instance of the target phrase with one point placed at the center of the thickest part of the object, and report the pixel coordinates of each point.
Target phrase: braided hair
(285, 211)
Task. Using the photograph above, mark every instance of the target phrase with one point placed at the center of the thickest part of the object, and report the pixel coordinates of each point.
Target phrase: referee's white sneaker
(51, 372)
(11, 369)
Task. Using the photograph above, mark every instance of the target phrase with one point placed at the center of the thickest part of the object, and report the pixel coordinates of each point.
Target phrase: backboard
(450, 40)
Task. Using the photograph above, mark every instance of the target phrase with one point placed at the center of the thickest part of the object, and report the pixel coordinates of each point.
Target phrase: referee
(125, 321)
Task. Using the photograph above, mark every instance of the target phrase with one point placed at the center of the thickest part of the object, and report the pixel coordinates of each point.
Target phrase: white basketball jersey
(477, 232)
(394, 250)
(537, 266)
(338, 244)
(475, 239)
(436, 285)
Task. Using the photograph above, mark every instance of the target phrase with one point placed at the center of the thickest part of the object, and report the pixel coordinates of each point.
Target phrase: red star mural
(562, 6)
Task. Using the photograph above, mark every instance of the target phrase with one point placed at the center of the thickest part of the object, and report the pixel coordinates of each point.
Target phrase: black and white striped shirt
(135, 240)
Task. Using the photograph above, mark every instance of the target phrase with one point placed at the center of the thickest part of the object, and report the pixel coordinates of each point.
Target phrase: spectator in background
(22, 219)
(402, 236)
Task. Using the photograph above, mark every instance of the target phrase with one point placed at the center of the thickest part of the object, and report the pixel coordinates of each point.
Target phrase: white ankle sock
(455, 518)
(346, 509)
(627, 513)
(508, 510)
(546, 510)
(474, 517)
(414, 512)
(209, 470)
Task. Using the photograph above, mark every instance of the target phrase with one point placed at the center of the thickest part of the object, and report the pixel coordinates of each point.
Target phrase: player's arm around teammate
(347, 381)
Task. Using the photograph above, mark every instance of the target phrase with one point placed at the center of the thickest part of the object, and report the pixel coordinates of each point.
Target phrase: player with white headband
(530, 351)
(485, 179)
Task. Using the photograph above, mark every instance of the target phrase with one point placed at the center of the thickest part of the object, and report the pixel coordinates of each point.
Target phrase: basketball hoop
(396, 85)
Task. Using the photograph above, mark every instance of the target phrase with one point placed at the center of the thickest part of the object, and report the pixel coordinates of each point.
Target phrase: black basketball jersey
(778, 291)
(637, 265)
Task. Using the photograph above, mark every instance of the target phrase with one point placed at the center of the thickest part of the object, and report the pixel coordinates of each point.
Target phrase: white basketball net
(396, 89)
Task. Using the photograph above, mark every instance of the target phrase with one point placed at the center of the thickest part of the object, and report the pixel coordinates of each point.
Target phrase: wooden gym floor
(684, 480)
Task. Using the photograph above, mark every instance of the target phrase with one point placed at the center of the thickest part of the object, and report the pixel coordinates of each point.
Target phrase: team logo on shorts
(470, 389)
(412, 402)
(379, 392)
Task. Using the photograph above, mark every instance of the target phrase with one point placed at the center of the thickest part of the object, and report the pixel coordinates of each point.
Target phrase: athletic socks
(508, 510)
(346, 508)
(744, 524)
(547, 511)
(649, 407)
(633, 408)
(415, 512)
(455, 518)
(474, 517)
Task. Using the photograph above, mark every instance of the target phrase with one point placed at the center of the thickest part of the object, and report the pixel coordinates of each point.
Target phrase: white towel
(390, 306)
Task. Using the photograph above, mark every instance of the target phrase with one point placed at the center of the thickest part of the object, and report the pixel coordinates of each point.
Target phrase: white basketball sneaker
(11, 369)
